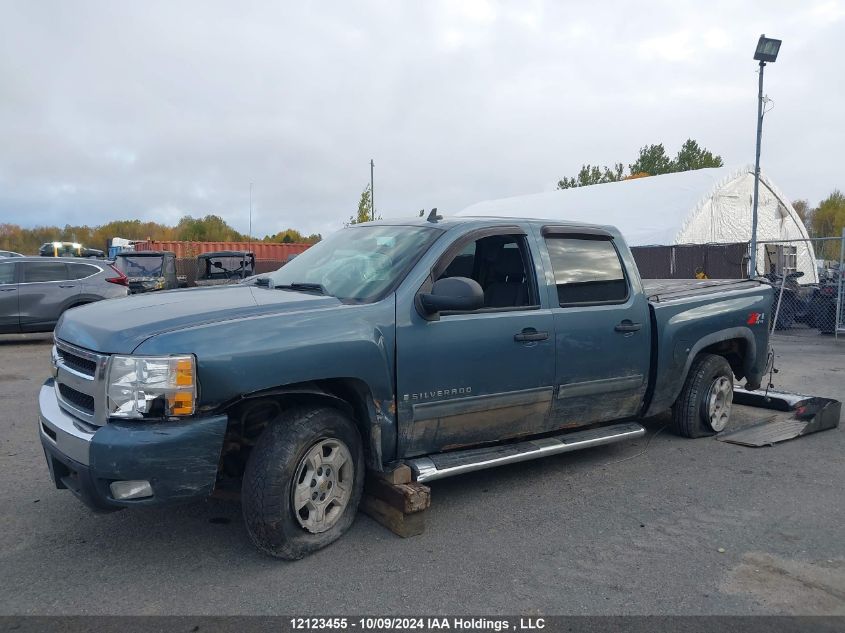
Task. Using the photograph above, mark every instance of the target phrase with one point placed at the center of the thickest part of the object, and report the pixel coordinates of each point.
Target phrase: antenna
(372, 192)
(433, 217)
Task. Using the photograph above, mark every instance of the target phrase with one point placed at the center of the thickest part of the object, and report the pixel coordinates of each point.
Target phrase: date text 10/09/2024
(419, 623)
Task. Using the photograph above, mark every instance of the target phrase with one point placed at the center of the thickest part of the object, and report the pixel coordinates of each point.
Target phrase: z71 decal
(756, 318)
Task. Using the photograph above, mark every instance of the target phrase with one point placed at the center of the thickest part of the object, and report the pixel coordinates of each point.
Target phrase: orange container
(262, 250)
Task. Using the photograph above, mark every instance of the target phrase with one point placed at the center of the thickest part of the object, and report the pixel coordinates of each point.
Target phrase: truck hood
(120, 325)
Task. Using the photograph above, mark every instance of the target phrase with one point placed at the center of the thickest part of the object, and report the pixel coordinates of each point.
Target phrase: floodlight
(767, 49)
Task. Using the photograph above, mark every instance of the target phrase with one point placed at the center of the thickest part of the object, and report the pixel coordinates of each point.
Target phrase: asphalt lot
(604, 531)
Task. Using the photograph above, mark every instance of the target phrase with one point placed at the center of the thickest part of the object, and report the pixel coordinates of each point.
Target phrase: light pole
(767, 51)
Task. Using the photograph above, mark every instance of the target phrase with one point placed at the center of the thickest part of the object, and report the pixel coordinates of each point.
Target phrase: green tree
(802, 208)
(365, 208)
(211, 228)
(827, 221)
(691, 157)
(593, 175)
(652, 161)
(292, 236)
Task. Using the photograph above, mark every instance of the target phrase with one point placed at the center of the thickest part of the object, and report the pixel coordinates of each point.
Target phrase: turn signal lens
(184, 372)
(181, 403)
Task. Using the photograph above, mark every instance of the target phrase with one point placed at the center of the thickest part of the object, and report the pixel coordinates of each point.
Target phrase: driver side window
(501, 264)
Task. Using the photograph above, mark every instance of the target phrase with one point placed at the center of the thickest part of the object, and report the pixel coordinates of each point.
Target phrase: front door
(602, 330)
(8, 298)
(469, 378)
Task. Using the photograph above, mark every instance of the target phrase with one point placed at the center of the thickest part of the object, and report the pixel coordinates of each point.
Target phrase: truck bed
(658, 290)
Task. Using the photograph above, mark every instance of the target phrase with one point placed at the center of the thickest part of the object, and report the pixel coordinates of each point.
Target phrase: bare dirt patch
(790, 586)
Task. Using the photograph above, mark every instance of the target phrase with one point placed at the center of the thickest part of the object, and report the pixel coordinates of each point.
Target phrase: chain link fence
(809, 283)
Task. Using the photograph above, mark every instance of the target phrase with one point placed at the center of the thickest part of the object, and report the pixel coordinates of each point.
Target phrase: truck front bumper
(178, 459)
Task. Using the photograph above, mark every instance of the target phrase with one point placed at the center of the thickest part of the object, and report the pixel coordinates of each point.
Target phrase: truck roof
(449, 222)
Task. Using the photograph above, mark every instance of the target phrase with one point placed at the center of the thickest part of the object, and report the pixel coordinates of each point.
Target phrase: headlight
(151, 387)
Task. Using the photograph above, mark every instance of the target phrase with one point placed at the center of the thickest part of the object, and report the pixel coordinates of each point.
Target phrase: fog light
(131, 489)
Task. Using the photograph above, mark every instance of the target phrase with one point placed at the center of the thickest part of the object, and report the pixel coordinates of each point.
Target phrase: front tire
(303, 482)
(704, 406)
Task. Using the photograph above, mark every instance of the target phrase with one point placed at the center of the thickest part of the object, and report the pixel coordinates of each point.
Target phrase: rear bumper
(179, 459)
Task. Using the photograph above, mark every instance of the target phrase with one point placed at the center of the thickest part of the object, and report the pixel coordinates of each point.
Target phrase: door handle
(7, 289)
(530, 334)
(628, 326)
(67, 285)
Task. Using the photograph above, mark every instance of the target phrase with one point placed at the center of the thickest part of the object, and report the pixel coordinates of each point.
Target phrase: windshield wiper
(306, 286)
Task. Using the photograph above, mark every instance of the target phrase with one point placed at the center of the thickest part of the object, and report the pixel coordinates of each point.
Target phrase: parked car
(448, 346)
(10, 254)
(224, 267)
(34, 293)
(148, 271)
(69, 249)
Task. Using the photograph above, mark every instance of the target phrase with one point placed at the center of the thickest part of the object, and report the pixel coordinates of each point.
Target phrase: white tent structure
(705, 206)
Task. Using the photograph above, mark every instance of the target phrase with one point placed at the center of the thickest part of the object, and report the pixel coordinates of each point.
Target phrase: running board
(443, 465)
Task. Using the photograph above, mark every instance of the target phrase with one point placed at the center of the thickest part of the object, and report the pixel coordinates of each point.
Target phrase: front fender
(265, 353)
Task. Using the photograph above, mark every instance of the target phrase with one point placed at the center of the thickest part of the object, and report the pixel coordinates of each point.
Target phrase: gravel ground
(687, 526)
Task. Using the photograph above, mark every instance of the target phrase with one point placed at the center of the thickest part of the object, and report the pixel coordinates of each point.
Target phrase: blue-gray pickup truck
(447, 345)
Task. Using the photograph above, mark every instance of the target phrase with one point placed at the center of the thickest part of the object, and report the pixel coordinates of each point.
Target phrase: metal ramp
(792, 415)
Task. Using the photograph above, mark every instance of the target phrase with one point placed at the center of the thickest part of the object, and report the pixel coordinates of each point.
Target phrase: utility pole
(250, 213)
(372, 192)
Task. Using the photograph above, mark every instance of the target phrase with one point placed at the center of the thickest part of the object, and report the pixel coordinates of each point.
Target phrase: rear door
(9, 321)
(86, 278)
(602, 329)
(44, 293)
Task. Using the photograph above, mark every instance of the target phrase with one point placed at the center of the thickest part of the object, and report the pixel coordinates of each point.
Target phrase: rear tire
(283, 517)
(704, 406)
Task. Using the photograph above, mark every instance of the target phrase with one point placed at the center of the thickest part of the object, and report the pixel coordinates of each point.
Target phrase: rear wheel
(704, 406)
(303, 482)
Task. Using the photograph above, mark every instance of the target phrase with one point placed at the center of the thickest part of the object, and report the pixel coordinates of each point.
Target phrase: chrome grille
(80, 382)
(80, 364)
(77, 398)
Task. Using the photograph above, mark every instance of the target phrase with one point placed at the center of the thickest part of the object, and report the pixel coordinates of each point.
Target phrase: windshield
(228, 267)
(358, 263)
(134, 266)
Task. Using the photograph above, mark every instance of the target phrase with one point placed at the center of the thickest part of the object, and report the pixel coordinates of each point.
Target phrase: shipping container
(262, 250)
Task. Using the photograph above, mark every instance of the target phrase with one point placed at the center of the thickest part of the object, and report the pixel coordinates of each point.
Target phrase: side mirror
(453, 293)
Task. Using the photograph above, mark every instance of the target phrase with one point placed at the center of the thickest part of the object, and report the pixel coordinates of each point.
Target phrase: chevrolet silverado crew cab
(447, 345)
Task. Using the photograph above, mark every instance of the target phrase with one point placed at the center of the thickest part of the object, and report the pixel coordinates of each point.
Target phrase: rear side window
(81, 271)
(587, 270)
(44, 271)
(7, 273)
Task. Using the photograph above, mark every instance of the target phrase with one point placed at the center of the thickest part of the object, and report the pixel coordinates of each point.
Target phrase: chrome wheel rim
(322, 485)
(719, 401)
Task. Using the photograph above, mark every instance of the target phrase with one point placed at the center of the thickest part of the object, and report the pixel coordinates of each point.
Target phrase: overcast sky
(153, 110)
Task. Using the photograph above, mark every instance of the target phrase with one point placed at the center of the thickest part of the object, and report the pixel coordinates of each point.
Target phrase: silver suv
(34, 291)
